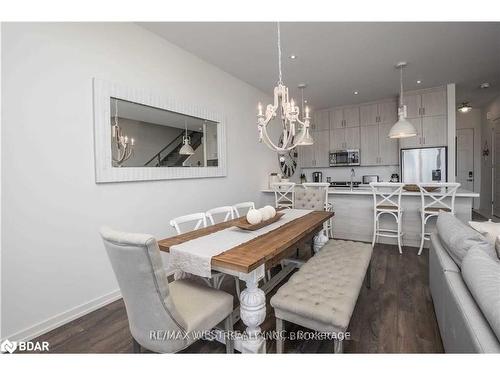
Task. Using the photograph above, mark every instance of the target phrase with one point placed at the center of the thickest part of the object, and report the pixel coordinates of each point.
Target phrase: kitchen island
(353, 218)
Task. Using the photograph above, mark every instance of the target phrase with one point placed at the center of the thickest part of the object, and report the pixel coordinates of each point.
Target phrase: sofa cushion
(497, 246)
(481, 274)
(488, 229)
(457, 237)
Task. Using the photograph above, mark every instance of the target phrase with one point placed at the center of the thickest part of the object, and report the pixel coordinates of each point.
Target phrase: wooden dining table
(249, 261)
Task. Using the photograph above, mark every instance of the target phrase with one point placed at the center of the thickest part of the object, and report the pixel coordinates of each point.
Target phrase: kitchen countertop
(365, 190)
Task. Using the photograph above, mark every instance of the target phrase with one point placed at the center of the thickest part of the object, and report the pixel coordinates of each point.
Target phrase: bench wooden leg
(337, 346)
(136, 347)
(280, 342)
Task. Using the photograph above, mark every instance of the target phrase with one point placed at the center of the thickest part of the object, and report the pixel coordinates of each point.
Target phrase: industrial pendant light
(186, 148)
(402, 128)
(464, 107)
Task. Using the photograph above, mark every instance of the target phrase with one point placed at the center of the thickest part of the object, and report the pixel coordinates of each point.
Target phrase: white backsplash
(344, 173)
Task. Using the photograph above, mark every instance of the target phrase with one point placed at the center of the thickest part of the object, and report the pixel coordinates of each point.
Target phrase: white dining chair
(284, 194)
(435, 197)
(220, 214)
(387, 200)
(182, 307)
(241, 209)
(323, 186)
(196, 221)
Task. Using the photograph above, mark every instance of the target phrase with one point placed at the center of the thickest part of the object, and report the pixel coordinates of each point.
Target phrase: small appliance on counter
(342, 158)
(317, 177)
(394, 177)
(370, 178)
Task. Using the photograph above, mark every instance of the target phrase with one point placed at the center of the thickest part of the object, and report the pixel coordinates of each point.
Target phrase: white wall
(486, 137)
(472, 120)
(53, 262)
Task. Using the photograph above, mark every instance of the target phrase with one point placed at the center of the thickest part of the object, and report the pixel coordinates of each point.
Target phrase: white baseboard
(64, 317)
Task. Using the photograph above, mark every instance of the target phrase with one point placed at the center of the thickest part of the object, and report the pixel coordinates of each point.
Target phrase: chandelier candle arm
(124, 147)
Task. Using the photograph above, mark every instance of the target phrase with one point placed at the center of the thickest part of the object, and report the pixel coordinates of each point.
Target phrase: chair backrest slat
(242, 208)
(438, 198)
(386, 193)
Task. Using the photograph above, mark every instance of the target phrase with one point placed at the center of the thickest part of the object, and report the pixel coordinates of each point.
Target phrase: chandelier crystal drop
(294, 131)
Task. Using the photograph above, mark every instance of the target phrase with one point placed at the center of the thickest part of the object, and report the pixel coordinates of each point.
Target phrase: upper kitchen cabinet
(376, 147)
(344, 139)
(428, 103)
(378, 113)
(321, 120)
(346, 117)
(317, 154)
(431, 132)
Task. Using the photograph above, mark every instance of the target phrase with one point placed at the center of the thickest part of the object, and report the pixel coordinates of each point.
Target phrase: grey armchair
(162, 316)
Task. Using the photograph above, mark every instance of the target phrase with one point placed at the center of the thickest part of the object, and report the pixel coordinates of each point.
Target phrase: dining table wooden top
(247, 256)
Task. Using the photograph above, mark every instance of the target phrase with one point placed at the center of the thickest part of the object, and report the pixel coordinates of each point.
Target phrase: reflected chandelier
(294, 131)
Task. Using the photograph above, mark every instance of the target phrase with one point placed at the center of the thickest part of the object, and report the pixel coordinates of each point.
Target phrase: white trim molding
(105, 172)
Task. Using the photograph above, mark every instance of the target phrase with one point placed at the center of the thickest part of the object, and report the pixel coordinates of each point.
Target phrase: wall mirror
(141, 136)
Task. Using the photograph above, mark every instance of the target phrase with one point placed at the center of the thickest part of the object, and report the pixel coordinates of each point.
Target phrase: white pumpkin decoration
(272, 210)
(254, 216)
(266, 215)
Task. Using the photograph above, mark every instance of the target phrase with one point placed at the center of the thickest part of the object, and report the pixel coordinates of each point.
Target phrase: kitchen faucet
(353, 174)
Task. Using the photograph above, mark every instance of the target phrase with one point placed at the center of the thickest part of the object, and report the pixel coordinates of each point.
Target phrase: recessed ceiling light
(356, 93)
(465, 107)
(484, 85)
(419, 82)
(305, 101)
(293, 57)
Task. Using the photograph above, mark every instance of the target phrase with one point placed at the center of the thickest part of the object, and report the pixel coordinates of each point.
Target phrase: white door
(465, 158)
(496, 169)
(369, 145)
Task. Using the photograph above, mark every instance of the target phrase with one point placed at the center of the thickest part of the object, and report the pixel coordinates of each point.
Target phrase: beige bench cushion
(323, 293)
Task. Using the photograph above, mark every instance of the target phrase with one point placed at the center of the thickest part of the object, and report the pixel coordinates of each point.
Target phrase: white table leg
(253, 312)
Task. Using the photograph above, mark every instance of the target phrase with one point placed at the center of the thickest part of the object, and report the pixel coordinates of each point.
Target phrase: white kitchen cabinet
(413, 142)
(344, 117)
(337, 118)
(368, 114)
(352, 138)
(379, 113)
(337, 139)
(321, 120)
(413, 104)
(306, 156)
(431, 131)
(388, 147)
(434, 103)
(369, 145)
(434, 131)
(321, 148)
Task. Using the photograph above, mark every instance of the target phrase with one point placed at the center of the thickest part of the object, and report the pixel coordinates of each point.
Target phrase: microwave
(341, 158)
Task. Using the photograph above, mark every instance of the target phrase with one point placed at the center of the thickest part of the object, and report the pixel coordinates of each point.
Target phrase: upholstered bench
(322, 294)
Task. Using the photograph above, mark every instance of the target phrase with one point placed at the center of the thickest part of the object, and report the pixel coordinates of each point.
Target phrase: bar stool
(433, 202)
(328, 206)
(284, 194)
(387, 200)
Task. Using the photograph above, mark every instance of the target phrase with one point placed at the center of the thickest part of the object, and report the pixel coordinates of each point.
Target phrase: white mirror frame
(105, 172)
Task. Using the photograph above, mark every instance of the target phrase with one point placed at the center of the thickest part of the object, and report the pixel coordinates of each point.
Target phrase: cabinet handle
(424, 140)
(423, 111)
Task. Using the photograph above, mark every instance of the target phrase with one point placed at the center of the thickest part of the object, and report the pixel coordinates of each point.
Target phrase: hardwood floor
(395, 316)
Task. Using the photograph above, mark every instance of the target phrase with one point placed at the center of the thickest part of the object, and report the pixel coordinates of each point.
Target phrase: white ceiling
(336, 59)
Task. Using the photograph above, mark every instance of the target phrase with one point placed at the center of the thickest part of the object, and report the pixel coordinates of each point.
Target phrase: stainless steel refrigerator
(424, 165)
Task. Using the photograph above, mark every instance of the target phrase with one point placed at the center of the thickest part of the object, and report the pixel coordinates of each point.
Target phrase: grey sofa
(468, 318)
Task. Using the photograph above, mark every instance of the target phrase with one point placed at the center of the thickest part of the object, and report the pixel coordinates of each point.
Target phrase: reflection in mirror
(144, 136)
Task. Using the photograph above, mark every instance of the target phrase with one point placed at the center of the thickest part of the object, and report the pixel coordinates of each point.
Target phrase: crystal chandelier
(123, 146)
(295, 132)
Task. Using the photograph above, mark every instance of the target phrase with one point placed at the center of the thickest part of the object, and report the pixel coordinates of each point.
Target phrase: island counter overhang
(353, 218)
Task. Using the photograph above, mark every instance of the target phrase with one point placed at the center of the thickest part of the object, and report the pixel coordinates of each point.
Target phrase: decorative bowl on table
(245, 225)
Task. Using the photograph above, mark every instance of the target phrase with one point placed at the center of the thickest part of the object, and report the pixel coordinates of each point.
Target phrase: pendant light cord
(279, 55)
(401, 86)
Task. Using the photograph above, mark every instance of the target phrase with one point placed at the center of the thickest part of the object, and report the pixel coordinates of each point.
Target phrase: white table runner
(195, 256)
